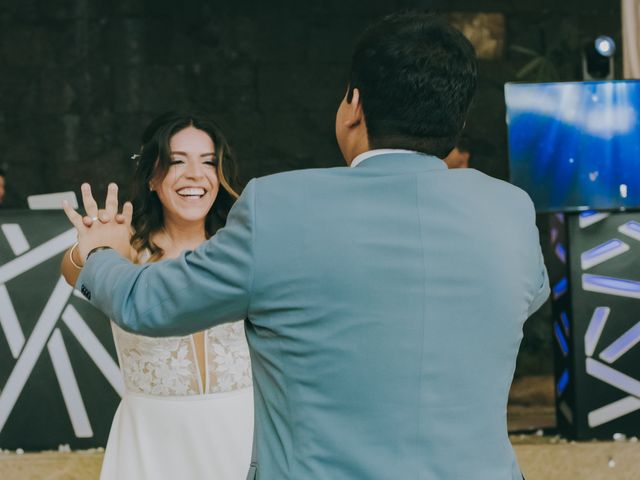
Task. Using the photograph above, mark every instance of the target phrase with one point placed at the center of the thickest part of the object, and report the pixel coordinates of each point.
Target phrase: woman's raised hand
(101, 227)
(110, 210)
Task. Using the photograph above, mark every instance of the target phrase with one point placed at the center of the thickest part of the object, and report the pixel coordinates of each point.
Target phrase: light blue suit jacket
(384, 308)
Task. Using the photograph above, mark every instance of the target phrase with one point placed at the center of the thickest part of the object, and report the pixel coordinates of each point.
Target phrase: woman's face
(190, 186)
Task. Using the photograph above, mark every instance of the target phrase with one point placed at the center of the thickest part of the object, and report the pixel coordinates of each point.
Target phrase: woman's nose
(194, 170)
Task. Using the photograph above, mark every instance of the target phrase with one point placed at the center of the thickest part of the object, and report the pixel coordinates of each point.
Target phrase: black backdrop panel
(601, 326)
(59, 379)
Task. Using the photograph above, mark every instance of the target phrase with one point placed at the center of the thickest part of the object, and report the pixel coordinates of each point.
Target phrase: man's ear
(354, 113)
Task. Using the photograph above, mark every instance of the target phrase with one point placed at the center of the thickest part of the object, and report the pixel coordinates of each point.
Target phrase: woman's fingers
(90, 205)
(111, 203)
(104, 216)
(127, 212)
(74, 217)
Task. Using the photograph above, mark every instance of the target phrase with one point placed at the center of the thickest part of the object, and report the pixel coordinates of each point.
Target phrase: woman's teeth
(191, 192)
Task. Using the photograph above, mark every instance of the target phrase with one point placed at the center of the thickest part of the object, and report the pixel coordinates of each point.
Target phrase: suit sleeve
(206, 287)
(541, 278)
(542, 294)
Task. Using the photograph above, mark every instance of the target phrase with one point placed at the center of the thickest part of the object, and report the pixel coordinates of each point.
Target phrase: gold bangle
(75, 245)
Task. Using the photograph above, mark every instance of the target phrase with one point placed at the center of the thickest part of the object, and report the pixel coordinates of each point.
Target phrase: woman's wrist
(74, 262)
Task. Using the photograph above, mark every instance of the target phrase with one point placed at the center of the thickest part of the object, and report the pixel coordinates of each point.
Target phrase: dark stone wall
(79, 79)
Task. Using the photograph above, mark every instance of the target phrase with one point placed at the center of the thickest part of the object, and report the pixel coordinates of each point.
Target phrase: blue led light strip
(561, 253)
(564, 319)
(560, 288)
(563, 381)
(562, 342)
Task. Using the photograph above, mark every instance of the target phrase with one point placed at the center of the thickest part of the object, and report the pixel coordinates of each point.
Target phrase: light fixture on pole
(597, 58)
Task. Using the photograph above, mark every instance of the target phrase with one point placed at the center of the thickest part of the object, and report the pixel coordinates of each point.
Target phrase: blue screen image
(575, 145)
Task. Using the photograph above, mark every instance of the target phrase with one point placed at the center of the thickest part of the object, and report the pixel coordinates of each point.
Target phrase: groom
(384, 302)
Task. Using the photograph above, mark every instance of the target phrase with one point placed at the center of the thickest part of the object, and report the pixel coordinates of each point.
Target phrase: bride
(188, 407)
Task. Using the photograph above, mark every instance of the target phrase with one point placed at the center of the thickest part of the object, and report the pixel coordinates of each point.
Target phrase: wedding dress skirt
(170, 424)
(189, 438)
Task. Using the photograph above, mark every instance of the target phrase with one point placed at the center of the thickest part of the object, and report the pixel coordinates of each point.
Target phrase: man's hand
(101, 227)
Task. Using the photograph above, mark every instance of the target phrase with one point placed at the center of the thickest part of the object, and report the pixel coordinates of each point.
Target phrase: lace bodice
(169, 366)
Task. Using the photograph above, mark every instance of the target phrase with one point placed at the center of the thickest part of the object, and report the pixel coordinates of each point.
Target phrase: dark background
(79, 79)
(39, 419)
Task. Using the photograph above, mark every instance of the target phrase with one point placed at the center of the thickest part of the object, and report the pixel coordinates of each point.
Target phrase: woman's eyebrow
(210, 154)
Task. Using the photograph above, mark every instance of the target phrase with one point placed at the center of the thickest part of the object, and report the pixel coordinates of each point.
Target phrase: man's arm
(541, 285)
(543, 292)
(197, 290)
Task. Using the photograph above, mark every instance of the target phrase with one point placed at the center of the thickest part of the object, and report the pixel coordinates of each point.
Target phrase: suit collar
(400, 160)
(378, 151)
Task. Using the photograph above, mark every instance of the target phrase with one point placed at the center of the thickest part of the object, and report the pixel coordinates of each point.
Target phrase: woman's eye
(210, 163)
(176, 161)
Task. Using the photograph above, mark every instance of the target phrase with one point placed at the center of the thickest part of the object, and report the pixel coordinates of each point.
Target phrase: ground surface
(542, 455)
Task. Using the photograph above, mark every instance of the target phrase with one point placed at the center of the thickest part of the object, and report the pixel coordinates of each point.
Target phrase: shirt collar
(380, 151)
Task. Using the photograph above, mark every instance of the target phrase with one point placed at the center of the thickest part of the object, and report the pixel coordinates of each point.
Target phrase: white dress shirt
(380, 151)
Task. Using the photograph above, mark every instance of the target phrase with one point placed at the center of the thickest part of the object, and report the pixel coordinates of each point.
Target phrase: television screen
(575, 145)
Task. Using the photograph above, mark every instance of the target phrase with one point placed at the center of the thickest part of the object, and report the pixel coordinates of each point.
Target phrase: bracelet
(97, 249)
(75, 246)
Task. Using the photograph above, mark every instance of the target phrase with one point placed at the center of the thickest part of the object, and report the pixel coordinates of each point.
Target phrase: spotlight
(605, 46)
(597, 58)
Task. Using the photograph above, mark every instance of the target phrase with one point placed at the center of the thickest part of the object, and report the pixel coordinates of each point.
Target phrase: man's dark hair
(416, 75)
(2, 174)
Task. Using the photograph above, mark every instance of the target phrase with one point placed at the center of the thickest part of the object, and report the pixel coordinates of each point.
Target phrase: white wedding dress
(173, 425)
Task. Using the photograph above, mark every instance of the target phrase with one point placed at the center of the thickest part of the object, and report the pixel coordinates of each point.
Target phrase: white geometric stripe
(622, 345)
(612, 411)
(94, 348)
(33, 348)
(629, 230)
(44, 252)
(69, 386)
(619, 287)
(585, 222)
(596, 325)
(613, 377)
(10, 323)
(15, 237)
(602, 253)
